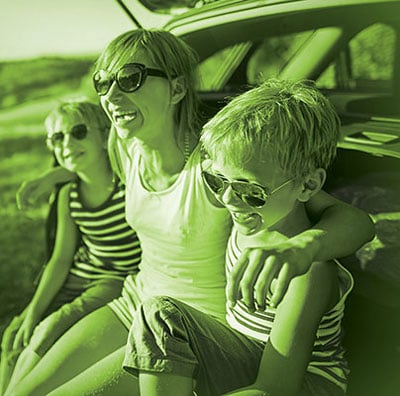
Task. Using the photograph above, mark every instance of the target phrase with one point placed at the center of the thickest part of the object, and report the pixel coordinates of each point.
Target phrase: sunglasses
(78, 132)
(252, 194)
(129, 78)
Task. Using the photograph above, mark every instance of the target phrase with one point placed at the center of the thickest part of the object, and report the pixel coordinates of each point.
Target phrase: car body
(351, 49)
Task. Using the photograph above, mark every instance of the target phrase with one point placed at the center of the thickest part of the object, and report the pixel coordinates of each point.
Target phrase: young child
(268, 154)
(95, 249)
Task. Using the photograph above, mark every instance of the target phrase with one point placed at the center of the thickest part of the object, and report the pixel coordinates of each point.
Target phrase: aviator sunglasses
(129, 78)
(252, 194)
(78, 132)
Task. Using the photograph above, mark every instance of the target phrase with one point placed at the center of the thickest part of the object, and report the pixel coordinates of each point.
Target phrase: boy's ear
(312, 183)
(178, 89)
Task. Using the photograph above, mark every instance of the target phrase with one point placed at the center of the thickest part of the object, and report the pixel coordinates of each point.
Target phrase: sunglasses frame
(266, 194)
(144, 71)
(53, 142)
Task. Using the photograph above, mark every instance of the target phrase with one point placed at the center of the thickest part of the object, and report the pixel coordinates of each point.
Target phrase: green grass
(22, 240)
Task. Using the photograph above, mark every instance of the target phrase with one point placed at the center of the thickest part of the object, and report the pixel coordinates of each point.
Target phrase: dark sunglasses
(78, 132)
(252, 194)
(129, 78)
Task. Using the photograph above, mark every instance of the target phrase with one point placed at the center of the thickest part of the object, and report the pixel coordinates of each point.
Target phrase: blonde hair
(174, 57)
(292, 122)
(89, 112)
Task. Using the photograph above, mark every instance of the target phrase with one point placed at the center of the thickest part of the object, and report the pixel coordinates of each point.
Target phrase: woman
(145, 83)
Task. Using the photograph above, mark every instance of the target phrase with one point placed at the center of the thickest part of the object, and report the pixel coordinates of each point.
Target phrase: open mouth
(125, 117)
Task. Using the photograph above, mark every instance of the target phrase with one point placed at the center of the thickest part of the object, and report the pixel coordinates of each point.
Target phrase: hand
(31, 191)
(252, 276)
(25, 330)
(10, 333)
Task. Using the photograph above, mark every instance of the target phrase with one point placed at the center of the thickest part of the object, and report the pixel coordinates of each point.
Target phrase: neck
(98, 176)
(295, 222)
(162, 156)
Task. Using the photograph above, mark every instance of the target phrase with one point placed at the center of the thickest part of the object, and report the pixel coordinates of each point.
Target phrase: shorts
(169, 336)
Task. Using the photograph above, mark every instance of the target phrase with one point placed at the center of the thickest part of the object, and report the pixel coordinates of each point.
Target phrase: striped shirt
(327, 359)
(109, 248)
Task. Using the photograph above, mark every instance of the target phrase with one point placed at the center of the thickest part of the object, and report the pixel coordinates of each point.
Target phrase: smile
(128, 116)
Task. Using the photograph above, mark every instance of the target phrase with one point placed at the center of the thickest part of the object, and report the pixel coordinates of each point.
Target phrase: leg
(27, 360)
(91, 339)
(106, 378)
(170, 337)
(49, 330)
(165, 384)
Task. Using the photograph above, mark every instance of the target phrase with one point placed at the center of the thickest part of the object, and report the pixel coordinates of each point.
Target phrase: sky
(32, 28)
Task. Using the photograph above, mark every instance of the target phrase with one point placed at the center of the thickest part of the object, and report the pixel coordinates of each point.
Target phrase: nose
(113, 93)
(230, 198)
(67, 140)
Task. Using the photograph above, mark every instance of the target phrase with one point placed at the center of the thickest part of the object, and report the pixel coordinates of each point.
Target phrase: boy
(268, 154)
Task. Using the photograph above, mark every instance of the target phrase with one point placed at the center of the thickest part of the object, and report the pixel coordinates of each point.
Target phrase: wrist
(310, 242)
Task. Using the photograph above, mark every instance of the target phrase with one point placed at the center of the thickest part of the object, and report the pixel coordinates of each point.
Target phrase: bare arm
(56, 270)
(340, 229)
(31, 191)
(287, 352)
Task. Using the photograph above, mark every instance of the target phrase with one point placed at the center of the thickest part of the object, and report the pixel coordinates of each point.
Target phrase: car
(351, 49)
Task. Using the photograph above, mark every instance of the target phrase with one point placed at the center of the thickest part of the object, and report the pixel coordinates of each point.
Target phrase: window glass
(366, 64)
(272, 55)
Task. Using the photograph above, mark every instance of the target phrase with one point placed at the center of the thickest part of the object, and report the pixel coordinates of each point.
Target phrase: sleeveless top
(183, 237)
(327, 359)
(108, 247)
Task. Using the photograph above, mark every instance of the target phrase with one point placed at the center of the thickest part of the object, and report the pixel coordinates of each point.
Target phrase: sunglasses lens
(79, 132)
(214, 182)
(102, 81)
(254, 201)
(130, 78)
(249, 193)
(55, 139)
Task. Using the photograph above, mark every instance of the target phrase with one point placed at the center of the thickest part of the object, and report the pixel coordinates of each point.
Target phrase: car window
(263, 60)
(272, 55)
(366, 64)
(215, 71)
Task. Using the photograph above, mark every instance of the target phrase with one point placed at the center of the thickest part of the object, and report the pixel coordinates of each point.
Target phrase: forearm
(50, 284)
(58, 175)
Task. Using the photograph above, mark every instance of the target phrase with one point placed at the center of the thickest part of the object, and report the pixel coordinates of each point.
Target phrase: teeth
(126, 116)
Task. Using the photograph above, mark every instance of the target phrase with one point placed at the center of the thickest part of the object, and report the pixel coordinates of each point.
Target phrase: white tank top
(183, 238)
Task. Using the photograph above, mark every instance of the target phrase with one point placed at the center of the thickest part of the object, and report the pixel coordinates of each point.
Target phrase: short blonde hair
(89, 112)
(292, 122)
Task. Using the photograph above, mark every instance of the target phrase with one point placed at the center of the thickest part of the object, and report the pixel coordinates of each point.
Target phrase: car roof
(221, 23)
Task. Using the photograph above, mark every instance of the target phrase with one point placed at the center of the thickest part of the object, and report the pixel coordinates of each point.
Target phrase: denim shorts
(169, 336)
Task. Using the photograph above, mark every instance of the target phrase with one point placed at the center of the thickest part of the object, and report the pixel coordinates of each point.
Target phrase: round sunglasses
(252, 194)
(129, 78)
(78, 132)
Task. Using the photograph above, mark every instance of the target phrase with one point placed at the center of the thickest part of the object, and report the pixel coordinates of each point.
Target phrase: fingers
(249, 276)
(26, 195)
(262, 286)
(10, 333)
(282, 284)
(232, 288)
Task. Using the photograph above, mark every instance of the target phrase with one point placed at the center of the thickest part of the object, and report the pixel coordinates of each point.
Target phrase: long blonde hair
(173, 56)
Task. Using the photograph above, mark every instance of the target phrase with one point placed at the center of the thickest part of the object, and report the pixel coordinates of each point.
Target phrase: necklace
(186, 146)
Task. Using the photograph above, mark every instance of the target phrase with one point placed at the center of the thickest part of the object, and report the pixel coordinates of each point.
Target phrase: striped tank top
(108, 248)
(327, 359)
